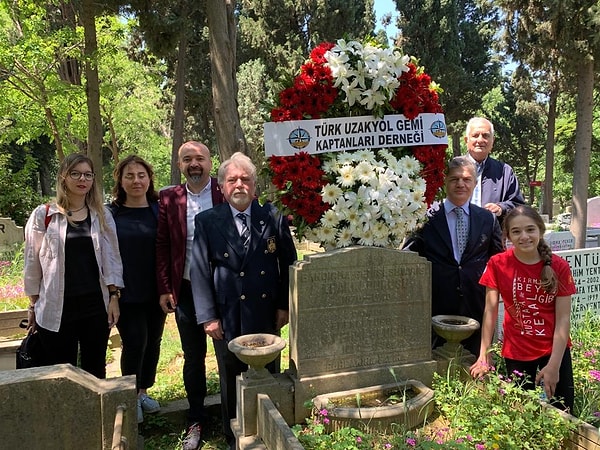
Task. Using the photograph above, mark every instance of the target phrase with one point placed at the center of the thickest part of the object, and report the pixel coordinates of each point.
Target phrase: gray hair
(474, 120)
(238, 159)
(462, 161)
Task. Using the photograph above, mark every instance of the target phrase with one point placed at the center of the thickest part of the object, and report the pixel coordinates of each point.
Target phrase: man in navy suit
(455, 270)
(240, 272)
(178, 207)
(497, 188)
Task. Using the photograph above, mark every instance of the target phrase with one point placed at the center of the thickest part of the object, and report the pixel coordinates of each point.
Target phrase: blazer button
(226, 255)
(264, 296)
(242, 274)
(262, 272)
(242, 297)
(266, 251)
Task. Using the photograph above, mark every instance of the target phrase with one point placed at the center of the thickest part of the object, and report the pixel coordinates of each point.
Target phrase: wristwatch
(115, 293)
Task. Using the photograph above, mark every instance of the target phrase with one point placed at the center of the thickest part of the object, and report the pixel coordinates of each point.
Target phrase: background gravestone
(10, 234)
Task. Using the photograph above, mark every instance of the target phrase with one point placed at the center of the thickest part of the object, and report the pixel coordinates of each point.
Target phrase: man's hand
(213, 329)
(494, 208)
(113, 312)
(167, 303)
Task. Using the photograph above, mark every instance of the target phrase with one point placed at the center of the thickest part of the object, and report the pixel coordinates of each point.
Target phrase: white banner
(353, 133)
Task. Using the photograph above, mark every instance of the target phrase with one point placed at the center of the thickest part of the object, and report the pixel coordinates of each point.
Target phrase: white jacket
(45, 261)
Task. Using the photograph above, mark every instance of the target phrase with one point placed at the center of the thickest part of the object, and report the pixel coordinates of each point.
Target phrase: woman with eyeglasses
(135, 210)
(73, 270)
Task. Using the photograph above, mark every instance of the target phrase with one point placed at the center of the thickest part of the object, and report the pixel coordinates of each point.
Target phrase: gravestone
(359, 317)
(64, 407)
(593, 212)
(10, 234)
(585, 266)
(560, 240)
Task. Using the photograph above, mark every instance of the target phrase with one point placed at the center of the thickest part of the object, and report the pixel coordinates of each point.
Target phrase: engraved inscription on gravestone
(585, 266)
(359, 307)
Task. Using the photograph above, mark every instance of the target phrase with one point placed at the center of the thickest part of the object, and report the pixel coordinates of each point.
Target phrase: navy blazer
(242, 289)
(500, 185)
(455, 287)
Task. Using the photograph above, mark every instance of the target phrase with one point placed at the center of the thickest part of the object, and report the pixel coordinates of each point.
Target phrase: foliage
(18, 198)
(498, 413)
(586, 368)
(454, 40)
(495, 413)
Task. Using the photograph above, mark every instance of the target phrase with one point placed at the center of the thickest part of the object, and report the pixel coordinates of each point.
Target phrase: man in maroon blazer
(178, 208)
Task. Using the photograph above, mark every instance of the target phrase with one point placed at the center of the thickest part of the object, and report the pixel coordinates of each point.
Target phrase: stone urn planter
(376, 408)
(257, 350)
(453, 329)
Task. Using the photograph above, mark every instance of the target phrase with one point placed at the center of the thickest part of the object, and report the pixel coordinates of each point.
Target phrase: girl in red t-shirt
(536, 287)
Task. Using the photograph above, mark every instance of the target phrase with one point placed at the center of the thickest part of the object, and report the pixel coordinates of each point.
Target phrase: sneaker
(193, 437)
(140, 413)
(149, 405)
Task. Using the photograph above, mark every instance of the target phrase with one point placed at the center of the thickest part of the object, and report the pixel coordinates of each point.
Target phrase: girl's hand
(482, 366)
(550, 377)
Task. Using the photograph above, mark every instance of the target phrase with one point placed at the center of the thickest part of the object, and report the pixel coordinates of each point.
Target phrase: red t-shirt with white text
(529, 316)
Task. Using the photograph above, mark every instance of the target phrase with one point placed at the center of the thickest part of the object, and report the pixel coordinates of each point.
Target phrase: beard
(195, 178)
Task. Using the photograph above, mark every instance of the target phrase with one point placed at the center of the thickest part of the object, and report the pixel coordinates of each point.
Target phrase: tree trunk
(583, 144)
(179, 113)
(456, 143)
(222, 41)
(92, 86)
(548, 199)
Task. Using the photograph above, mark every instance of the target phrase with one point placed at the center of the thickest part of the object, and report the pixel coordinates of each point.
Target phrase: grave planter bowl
(257, 350)
(454, 329)
(370, 408)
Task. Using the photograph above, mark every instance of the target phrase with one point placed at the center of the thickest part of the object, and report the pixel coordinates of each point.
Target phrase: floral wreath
(363, 197)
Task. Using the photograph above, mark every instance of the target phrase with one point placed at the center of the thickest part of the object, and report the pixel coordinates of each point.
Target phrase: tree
(519, 126)
(575, 30)
(530, 39)
(453, 40)
(222, 40)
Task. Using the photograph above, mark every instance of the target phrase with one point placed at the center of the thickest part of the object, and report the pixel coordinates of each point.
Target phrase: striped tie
(245, 235)
(462, 231)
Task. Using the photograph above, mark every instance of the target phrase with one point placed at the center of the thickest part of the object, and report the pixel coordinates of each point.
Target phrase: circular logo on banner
(438, 129)
(299, 138)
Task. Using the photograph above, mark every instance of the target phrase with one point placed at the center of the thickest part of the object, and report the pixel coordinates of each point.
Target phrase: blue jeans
(193, 343)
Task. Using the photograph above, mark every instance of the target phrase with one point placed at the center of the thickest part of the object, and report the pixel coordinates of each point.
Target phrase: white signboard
(585, 266)
(353, 133)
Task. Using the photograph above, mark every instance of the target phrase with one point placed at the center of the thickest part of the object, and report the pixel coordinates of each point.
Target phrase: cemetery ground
(460, 406)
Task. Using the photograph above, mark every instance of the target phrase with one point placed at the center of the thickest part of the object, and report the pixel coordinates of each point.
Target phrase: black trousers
(87, 336)
(564, 395)
(193, 344)
(141, 327)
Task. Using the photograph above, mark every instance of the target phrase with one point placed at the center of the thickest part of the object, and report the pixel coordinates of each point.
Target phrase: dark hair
(462, 161)
(119, 194)
(548, 276)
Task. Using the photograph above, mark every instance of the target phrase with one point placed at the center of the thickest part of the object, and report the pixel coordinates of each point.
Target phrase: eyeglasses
(76, 175)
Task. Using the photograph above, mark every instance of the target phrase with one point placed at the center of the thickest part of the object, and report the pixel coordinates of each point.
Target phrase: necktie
(462, 230)
(245, 230)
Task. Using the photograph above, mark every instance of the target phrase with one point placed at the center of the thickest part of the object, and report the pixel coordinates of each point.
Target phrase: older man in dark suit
(178, 208)
(459, 238)
(240, 272)
(497, 188)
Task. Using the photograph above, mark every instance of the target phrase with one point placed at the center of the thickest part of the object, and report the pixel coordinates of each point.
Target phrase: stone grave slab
(357, 308)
